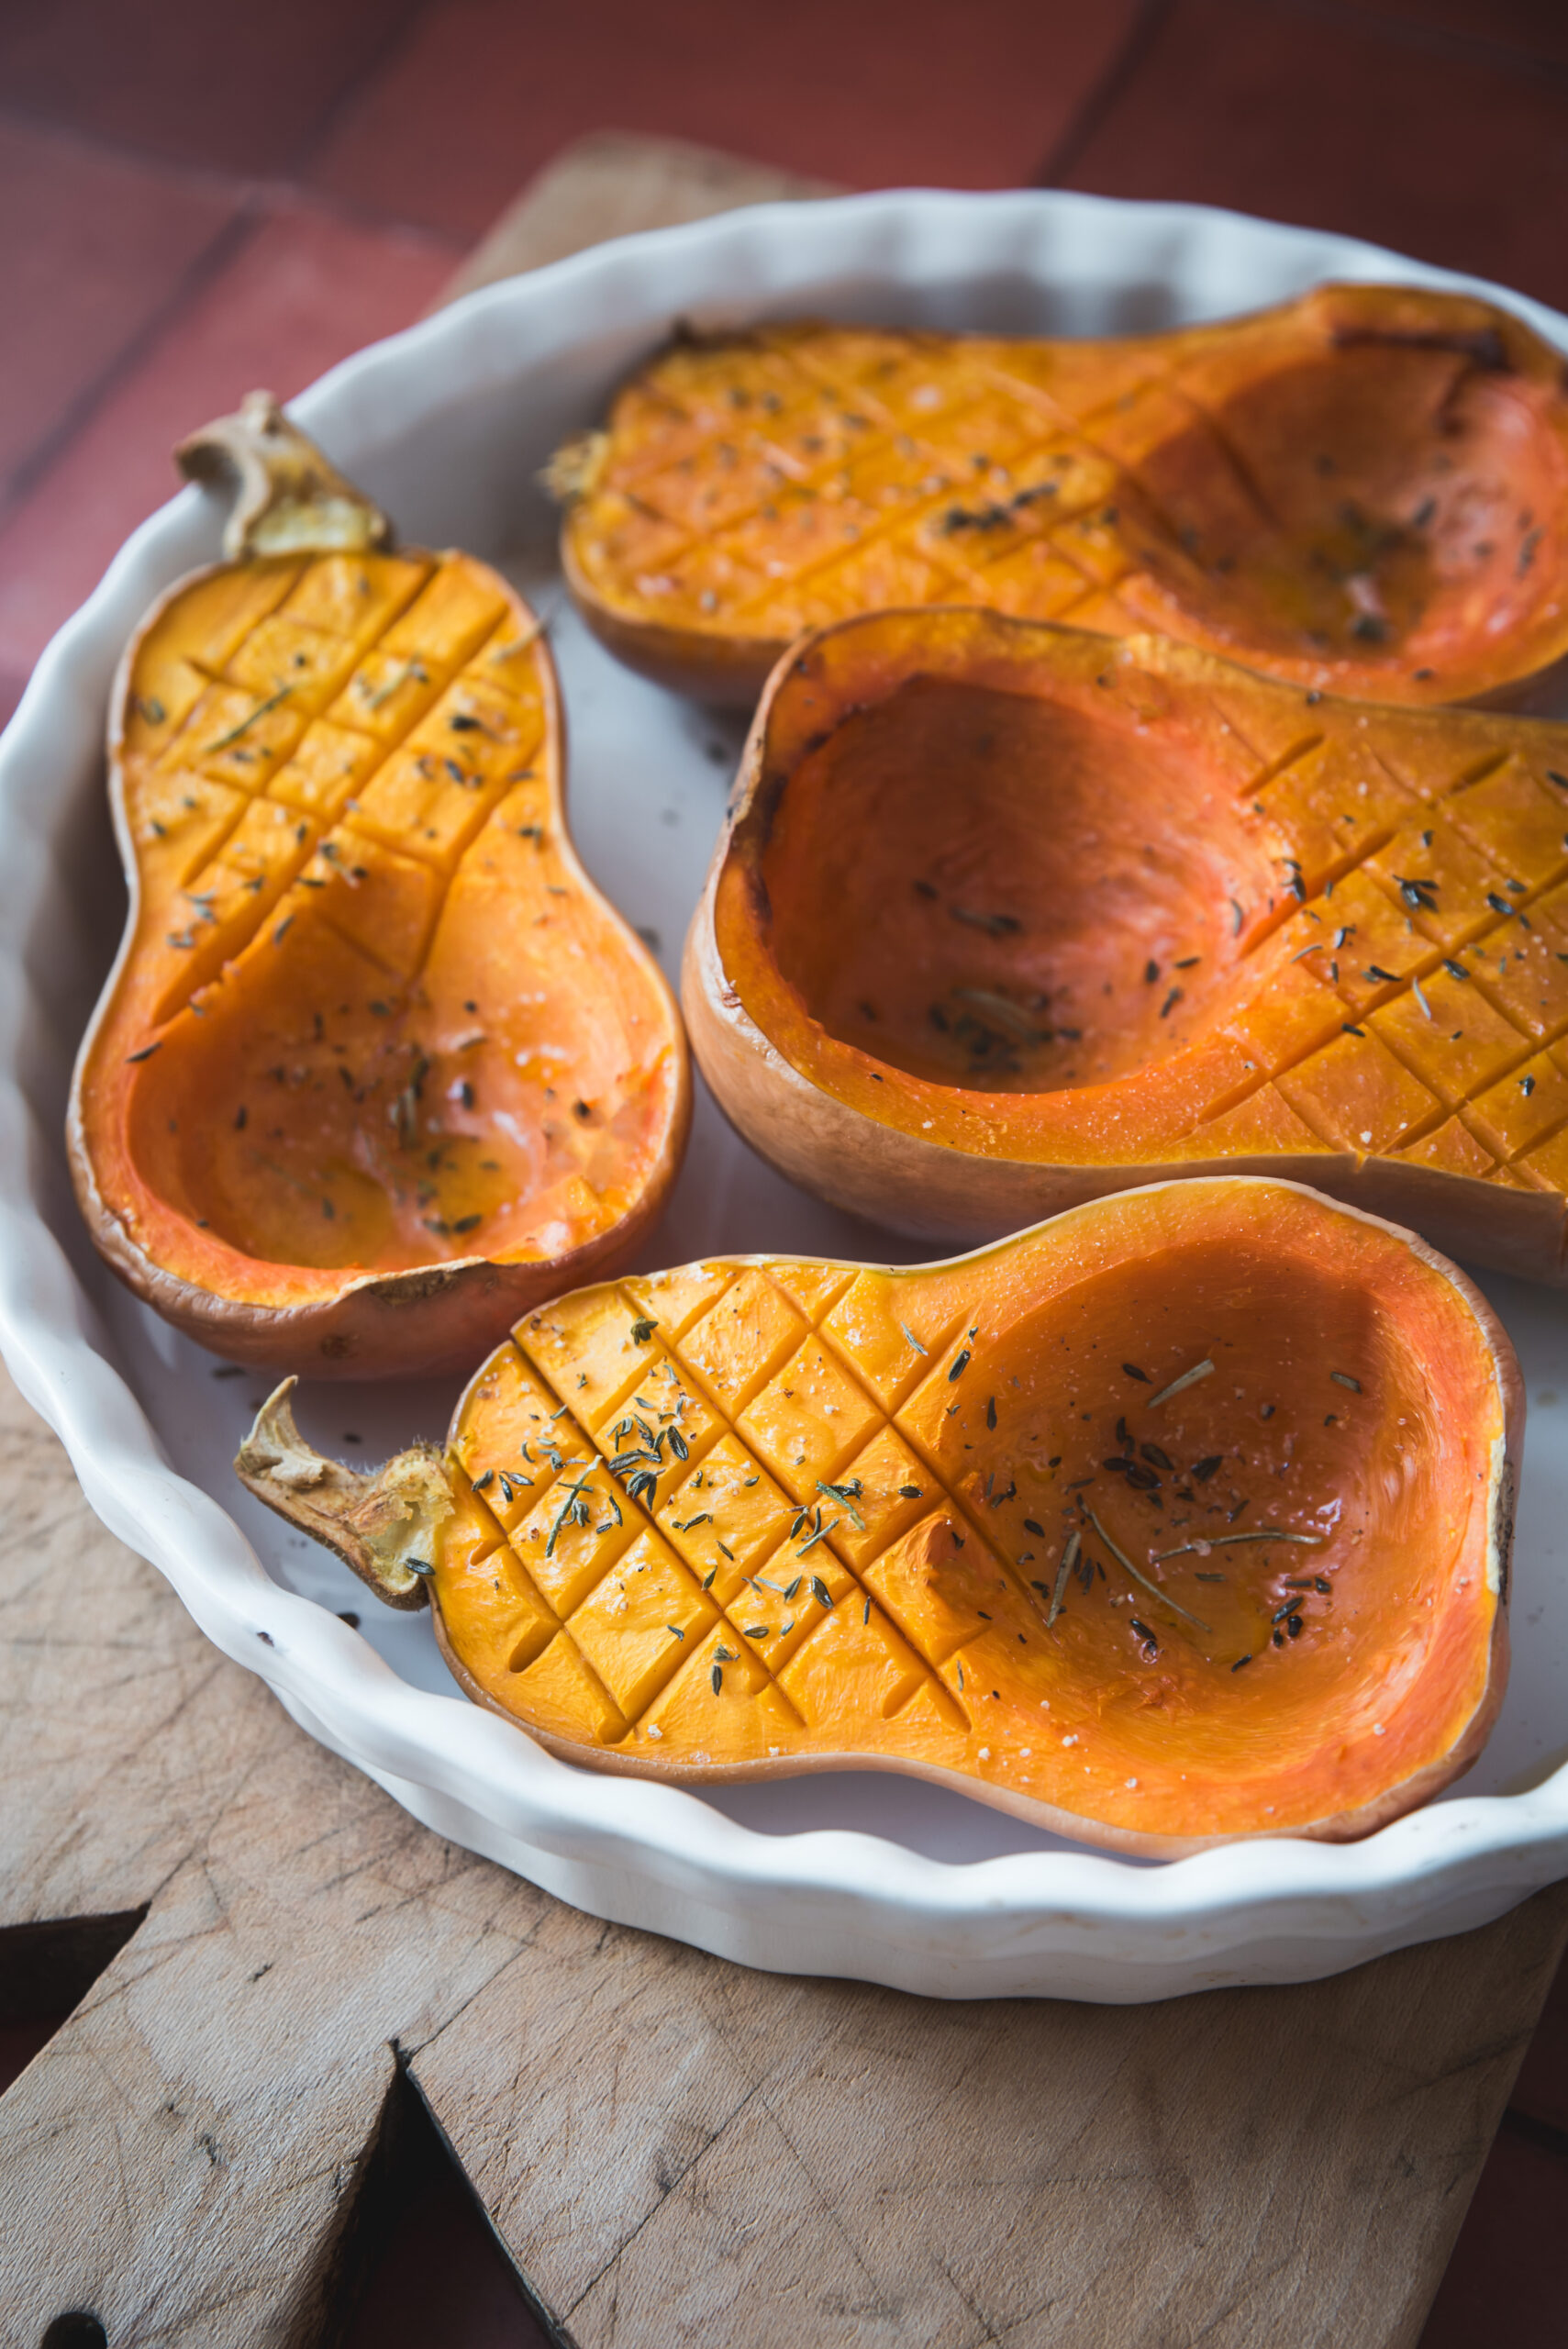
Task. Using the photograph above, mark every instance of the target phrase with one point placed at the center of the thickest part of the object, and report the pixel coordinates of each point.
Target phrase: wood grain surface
(609, 185)
(672, 2148)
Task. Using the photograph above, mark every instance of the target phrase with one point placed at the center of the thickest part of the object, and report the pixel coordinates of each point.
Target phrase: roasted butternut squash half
(1008, 914)
(1181, 1517)
(1364, 490)
(377, 1065)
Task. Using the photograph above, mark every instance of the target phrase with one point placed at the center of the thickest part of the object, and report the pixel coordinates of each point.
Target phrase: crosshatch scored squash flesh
(1007, 914)
(371, 1019)
(1183, 1517)
(1365, 490)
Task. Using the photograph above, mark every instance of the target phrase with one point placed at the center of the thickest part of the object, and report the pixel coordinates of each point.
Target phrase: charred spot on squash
(1335, 490)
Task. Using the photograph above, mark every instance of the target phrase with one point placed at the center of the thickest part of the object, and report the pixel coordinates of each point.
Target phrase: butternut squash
(1008, 914)
(1182, 1518)
(377, 1066)
(1364, 490)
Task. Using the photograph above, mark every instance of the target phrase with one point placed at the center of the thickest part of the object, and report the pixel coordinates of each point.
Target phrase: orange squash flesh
(1364, 490)
(377, 1065)
(1007, 916)
(763, 1515)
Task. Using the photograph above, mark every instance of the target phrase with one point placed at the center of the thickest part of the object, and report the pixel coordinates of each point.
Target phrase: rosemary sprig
(1152, 1587)
(848, 1495)
(575, 1510)
(1189, 1378)
(1007, 1014)
(1259, 1534)
(1069, 1556)
(261, 710)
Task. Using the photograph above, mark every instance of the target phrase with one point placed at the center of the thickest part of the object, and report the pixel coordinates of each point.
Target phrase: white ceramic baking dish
(857, 1874)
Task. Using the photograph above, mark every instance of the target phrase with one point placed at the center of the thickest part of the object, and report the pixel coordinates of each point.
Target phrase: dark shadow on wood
(45, 1971)
(418, 2260)
(1542, 2134)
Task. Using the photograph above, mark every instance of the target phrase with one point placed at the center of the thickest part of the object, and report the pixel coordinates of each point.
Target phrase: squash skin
(1379, 421)
(427, 1303)
(1131, 1684)
(1262, 791)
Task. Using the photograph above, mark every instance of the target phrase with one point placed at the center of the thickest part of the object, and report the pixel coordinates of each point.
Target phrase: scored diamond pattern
(317, 719)
(805, 472)
(701, 1498)
(1429, 958)
(809, 1420)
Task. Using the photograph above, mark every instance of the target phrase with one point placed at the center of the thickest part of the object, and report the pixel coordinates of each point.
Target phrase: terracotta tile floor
(199, 199)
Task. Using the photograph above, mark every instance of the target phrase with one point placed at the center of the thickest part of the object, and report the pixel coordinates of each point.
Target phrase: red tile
(1345, 124)
(304, 291)
(240, 87)
(1536, 28)
(96, 247)
(483, 93)
(1504, 2280)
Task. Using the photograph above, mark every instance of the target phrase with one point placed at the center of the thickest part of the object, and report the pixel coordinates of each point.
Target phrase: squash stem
(290, 499)
(384, 1523)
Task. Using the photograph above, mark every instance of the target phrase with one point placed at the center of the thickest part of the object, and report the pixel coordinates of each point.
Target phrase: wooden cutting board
(671, 2149)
